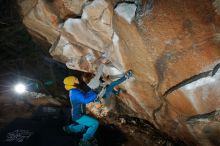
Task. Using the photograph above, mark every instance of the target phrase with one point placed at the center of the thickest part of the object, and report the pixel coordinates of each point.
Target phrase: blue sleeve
(88, 97)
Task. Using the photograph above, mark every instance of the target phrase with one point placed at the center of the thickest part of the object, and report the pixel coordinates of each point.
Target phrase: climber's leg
(110, 87)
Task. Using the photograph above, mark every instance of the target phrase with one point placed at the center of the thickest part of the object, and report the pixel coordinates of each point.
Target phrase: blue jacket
(78, 99)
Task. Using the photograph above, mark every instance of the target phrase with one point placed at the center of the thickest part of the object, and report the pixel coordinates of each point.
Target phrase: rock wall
(172, 46)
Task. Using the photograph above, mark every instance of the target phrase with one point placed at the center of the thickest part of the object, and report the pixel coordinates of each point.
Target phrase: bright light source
(20, 88)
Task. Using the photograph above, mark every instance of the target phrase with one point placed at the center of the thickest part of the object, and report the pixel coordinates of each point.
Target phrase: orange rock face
(172, 46)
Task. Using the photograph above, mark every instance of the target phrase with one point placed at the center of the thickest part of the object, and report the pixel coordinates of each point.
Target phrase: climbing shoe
(117, 92)
(66, 129)
(93, 142)
(129, 74)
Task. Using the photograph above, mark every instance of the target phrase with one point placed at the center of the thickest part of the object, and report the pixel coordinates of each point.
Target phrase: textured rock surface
(42, 23)
(67, 8)
(216, 3)
(26, 6)
(126, 11)
(172, 46)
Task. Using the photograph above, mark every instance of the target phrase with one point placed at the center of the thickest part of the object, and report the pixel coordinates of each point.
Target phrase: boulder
(74, 56)
(68, 8)
(98, 16)
(88, 37)
(173, 52)
(42, 23)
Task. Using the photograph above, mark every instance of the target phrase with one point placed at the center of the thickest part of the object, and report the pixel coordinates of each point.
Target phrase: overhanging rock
(173, 44)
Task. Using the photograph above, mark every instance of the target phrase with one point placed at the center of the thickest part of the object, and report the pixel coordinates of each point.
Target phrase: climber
(85, 124)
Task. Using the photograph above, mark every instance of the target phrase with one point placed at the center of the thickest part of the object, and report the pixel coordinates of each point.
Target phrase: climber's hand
(104, 60)
(98, 105)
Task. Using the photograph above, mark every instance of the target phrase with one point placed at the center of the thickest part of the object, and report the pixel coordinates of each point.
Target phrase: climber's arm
(95, 82)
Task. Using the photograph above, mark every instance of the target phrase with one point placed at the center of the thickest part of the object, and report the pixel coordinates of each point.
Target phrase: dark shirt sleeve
(88, 97)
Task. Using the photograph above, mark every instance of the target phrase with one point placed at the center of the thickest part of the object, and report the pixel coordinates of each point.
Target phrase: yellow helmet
(70, 82)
